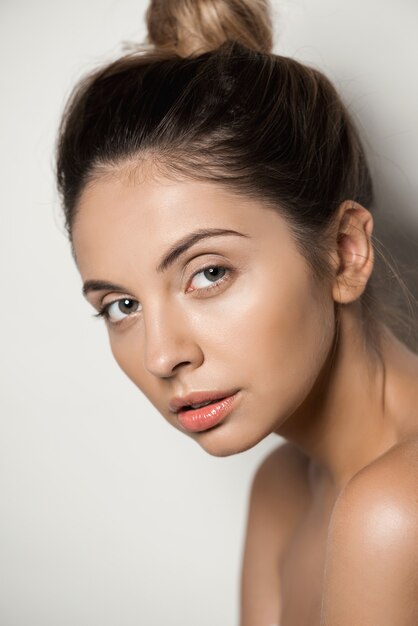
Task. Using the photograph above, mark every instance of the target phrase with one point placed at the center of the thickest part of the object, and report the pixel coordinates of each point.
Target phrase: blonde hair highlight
(192, 27)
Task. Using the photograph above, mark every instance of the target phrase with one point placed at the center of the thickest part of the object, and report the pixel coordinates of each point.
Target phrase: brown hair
(210, 101)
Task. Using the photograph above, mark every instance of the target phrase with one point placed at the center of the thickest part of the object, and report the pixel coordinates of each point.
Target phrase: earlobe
(353, 252)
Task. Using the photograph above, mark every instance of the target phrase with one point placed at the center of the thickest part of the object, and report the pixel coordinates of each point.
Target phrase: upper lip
(196, 397)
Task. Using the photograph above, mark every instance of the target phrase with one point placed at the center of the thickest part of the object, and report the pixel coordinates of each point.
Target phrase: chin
(222, 441)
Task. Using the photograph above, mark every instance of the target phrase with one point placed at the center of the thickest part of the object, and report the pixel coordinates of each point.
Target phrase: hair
(205, 98)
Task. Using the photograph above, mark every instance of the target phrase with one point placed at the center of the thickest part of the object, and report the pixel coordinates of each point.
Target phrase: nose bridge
(169, 340)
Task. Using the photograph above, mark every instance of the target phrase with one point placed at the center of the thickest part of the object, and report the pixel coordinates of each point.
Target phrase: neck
(349, 418)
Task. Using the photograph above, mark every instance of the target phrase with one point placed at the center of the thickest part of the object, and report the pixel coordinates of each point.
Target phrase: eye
(118, 310)
(209, 277)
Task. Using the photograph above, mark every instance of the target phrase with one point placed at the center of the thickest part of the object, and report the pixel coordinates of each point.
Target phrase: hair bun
(191, 27)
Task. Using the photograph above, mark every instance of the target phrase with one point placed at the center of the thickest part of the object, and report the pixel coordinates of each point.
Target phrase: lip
(197, 397)
(197, 420)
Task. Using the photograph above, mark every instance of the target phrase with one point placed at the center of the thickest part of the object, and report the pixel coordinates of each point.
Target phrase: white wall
(108, 516)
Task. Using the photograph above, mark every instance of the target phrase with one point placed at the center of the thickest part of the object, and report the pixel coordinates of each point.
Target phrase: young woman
(218, 202)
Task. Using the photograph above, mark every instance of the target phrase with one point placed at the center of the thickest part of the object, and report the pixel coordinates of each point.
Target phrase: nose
(170, 343)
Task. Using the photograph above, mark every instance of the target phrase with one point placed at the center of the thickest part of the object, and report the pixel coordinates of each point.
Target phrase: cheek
(126, 350)
(282, 334)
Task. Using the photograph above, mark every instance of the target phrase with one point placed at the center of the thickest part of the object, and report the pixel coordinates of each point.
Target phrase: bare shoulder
(393, 476)
(278, 497)
(372, 550)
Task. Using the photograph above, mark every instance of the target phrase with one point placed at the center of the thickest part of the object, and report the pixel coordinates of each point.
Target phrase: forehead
(122, 218)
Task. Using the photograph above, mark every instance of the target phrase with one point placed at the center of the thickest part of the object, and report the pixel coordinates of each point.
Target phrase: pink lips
(205, 417)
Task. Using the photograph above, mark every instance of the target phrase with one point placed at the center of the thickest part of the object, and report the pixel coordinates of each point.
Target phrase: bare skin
(347, 539)
(329, 503)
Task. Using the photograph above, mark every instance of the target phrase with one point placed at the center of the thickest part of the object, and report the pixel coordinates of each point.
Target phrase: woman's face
(233, 311)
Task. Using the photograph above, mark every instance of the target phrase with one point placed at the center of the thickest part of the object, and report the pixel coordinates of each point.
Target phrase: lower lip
(208, 416)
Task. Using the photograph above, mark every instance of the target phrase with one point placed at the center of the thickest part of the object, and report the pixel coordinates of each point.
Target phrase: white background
(108, 516)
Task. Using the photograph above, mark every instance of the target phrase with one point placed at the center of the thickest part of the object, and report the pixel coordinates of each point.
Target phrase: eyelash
(104, 311)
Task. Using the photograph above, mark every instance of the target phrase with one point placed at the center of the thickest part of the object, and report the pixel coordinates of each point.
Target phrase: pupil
(213, 273)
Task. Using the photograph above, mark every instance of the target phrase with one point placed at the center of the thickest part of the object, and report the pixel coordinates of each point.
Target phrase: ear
(353, 253)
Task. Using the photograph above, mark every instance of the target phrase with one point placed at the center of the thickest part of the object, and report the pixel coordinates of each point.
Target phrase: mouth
(206, 415)
(198, 399)
(201, 405)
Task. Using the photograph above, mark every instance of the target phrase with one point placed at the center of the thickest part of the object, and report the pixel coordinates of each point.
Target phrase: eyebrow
(172, 254)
